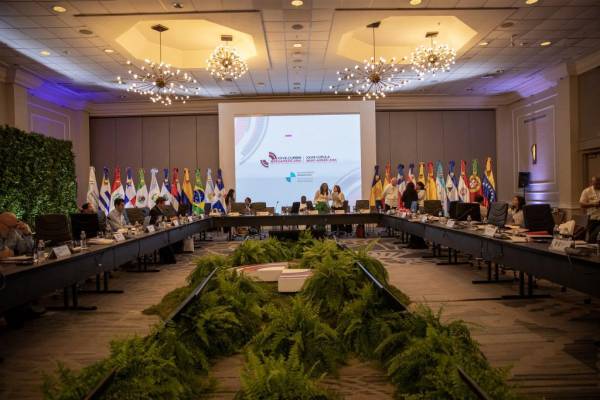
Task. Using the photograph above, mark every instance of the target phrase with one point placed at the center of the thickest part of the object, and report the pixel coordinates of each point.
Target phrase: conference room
(299, 199)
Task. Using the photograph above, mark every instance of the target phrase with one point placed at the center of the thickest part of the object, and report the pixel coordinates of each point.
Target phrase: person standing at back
(590, 202)
(338, 198)
(390, 194)
(323, 195)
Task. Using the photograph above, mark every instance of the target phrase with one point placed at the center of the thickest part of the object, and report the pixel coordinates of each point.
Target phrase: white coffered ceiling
(512, 29)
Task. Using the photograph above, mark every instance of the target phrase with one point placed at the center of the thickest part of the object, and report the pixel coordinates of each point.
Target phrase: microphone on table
(276, 204)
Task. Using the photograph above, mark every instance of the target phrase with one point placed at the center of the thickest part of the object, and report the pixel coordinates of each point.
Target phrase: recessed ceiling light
(297, 27)
(260, 84)
(176, 4)
(297, 45)
(531, 1)
(507, 24)
(415, 2)
(484, 43)
(109, 51)
(45, 53)
(296, 3)
(59, 9)
(545, 43)
(297, 61)
(86, 32)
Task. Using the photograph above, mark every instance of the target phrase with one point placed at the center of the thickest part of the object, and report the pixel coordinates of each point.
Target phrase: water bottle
(82, 237)
(469, 220)
(39, 253)
(556, 232)
(598, 245)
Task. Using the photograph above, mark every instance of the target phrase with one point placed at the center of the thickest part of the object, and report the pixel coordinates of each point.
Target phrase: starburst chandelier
(432, 59)
(225, 63)
(372, 79)
(158, 81)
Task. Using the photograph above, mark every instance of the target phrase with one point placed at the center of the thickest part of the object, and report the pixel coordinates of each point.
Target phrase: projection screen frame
(366, 109)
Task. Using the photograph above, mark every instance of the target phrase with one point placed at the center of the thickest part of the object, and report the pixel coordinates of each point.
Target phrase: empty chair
(238, 207)
(452, 209)
(497, 214)
(135, 215)
(270, 210)
(345, 206)
(295, 207)
(184, 209)
(432, 207)
(538, 217)
(53, 228)
(581, 231)
(170, 211)
(464, 210)
(84, 222)
(258, 206)
(362, 205)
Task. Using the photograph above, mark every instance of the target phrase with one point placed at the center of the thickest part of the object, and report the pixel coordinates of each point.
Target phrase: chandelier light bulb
(432, 59)
(225, 63)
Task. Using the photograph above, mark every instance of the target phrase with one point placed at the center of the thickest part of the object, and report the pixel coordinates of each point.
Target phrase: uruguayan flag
(104, 199)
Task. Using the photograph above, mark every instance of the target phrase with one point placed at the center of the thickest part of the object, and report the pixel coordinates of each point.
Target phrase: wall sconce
(534, 153)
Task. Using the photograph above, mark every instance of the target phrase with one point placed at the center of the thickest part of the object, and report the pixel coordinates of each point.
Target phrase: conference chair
(452, 209)
(52, 228)
(184, 209)
(258, 206)
(238, 207)
(309, 205)
(432, 207)
(538, 217)
(295, 207)
(497, 214)
(170, 211)
(135, 215)
(463, 210)
(87, 223)
(362, 205)
(581, 231)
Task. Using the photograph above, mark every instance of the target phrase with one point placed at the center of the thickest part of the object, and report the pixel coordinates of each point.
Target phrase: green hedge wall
(37, 174)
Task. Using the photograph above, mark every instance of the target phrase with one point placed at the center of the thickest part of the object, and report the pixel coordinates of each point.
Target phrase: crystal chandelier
(372, 79)
(158, 81)
(225, 63)
(433, 59)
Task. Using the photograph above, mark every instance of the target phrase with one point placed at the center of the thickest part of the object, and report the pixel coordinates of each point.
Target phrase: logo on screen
(272, 156)
(292, 176)
(264, 163)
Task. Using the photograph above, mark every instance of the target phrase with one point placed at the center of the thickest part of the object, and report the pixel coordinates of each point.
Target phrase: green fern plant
(260, 252)
(279, 378)
(320, 250)
(298, 329)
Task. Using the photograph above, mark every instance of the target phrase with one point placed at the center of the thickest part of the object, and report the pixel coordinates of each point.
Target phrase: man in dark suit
(157, 213)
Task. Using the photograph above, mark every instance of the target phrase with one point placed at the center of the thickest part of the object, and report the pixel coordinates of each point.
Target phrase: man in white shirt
(117, 218)
(590, 202)
(390, 194)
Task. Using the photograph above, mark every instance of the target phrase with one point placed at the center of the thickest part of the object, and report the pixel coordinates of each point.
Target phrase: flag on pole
(451, 184)
(441, 186)
(463, 183)
(175, 190)
(388, 174)
(401, 184)
(421, 176)
(92, 193)
(474, 181)
(219, 191)
(105, 192)
(187, 194)
(130, 192)
(154, 191)
(431, 187)
(198, 194)
(210, 188)
(165, 190)
(376, 189)
(488, 184)
(117, 189)
(141, 194)
(411, 173)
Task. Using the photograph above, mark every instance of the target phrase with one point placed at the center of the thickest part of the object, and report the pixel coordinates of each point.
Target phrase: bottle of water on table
(83, 239)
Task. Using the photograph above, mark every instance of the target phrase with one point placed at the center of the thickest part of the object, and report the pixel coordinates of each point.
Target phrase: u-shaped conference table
(25, 283)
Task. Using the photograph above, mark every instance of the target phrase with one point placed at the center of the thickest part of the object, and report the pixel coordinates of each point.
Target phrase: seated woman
(15, 236)
(515, 211)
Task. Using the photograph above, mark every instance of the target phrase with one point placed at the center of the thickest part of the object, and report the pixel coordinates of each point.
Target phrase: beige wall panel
(382, 139)
(589, 117)
(155, 144)
(456, 138)
(128, 145)
(429, 136)
(182, 139)
(102, 145)
(207, 145)
(403, 138)
(482, 136)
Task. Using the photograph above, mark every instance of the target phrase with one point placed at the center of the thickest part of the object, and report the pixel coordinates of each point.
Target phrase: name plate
(451, 223)
(150, 228)
(561, 244)
(175, 222)
(234, 214)
(423, 219)
(402, 215)
(490, 231)
(59, 252)
(312, 212)
(119, 237)
(190, 219)
(339, 212)
(262, 213)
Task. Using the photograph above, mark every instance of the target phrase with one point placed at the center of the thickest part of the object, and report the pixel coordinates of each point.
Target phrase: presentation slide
(279, 158)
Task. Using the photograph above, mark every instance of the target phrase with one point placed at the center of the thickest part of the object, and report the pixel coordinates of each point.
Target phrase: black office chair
(463, 210)
(452, 209)
(259, 206)
(432, 207)
(52, 228)
(295, 207)
(184, 209)
(497, 214)
(346, 206)
(135, 215)
(362, 205)
(84, 222)
(170, 211)
(238, 207)
(207, 208)
(538, 217)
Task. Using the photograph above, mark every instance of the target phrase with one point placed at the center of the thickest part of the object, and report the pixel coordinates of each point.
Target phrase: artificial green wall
(37, 174)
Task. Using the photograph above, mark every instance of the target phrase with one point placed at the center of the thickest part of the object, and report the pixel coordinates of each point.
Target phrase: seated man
(88, 208)
(15, 236)
(117, 218)
(159, 211)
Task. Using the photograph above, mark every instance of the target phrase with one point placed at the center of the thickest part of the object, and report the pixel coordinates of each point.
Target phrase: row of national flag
(193, 195)
(439, 186)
